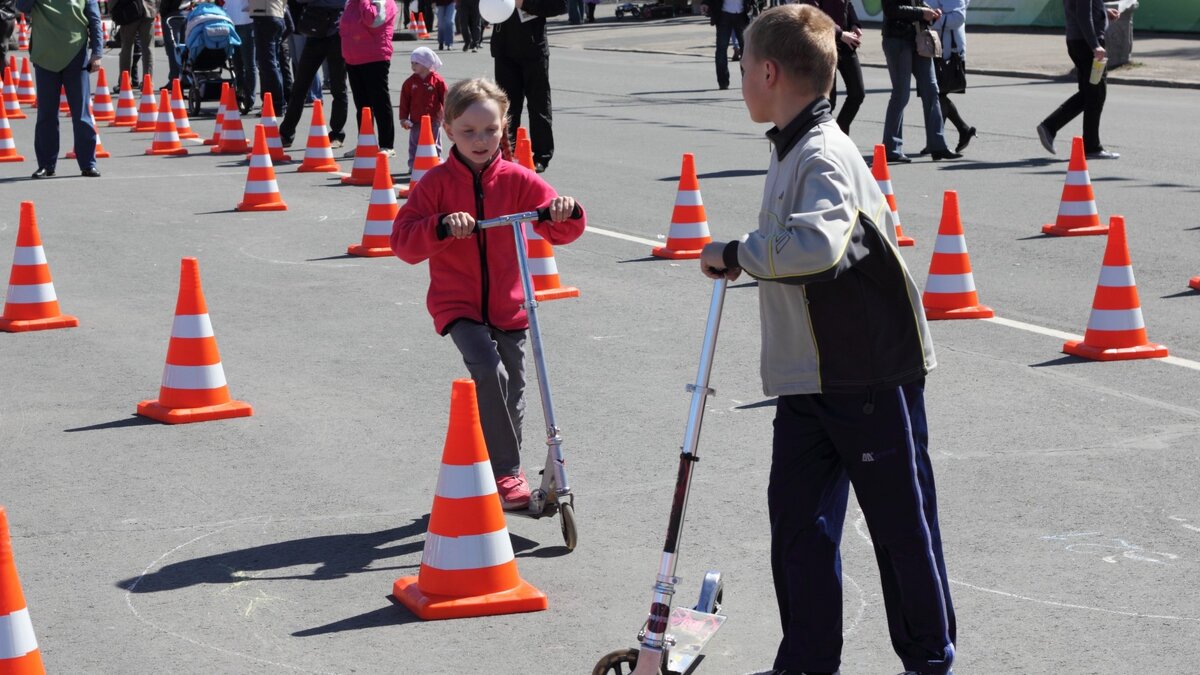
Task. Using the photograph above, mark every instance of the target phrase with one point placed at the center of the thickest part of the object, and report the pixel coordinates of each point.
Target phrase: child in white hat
(423, 93)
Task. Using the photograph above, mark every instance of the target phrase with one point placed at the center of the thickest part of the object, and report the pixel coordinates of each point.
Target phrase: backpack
(209, 27)
(125, 12)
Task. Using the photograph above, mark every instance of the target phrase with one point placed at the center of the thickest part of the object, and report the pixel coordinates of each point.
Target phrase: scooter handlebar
(542, 214)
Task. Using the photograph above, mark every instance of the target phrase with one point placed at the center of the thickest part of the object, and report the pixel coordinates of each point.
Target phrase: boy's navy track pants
(877, 442)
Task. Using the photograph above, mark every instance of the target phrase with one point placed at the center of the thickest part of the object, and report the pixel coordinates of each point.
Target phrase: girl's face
(420, 70)
(477, 132)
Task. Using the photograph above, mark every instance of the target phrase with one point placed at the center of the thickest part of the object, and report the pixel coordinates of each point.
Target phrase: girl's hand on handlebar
(460, 225)
(561, 208)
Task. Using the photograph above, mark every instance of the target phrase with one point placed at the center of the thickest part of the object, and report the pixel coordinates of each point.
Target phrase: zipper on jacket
(868, 407)
(481, 237)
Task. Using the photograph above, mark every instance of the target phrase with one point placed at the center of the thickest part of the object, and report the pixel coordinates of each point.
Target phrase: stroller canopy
(209, 27)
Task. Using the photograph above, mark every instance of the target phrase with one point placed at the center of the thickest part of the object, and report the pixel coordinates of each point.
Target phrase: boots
(591, 12)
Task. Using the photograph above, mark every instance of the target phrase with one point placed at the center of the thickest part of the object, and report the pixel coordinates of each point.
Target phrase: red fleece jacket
(423, 97)
(478, 277)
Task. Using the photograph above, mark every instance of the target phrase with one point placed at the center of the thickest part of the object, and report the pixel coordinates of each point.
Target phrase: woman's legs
(445, 19)
(935, 138)
(899, 54)
(851, 72)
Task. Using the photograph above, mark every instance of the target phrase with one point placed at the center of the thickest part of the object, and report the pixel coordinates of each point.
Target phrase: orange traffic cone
(9, 93)
(26, 92)
(1077, 214)
(467, 567)
(148, 109)
(879, 169)
(426, 158)
(381, 212)
(268, 121)
(22, 34)
(262, 191)
(183, 125)
(19, 653)
(422, 33)
(318, 155)
(8, 147)
(950, 286)
(193, 384)
(542, 266)
(524, 153)
(233, 135)
(689, 223)
(64, 107)
(158, 31)
(1194, 282)
(363, 171)
(166, 137)
(220, 118)
(102, 108)
(1115, 330)
(127, 113)
(31, 303)
(101, 153)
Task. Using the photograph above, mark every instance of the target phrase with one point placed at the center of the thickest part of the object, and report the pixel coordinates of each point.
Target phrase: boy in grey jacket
(846, 349)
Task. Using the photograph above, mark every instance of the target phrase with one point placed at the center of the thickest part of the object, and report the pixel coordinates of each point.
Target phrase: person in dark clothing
(470, 24)
(849, 37)
(1086, 21)
(320, 46)
(166, 10)
(8, 25)
(522, 55)
(731, 18)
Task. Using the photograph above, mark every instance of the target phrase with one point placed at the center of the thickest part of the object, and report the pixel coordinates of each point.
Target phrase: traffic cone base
(523, 598)
(556, 293)
(1146, 351)
(156, 411)
(1195, 283)
(29, 325)
(1057, 231)
(973, 312)
(368, 251)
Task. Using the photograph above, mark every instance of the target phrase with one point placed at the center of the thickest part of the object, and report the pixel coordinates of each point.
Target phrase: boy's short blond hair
(801, 39)
(465, 93)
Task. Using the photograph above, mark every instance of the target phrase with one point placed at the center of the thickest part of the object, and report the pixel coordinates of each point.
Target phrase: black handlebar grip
(544, 213)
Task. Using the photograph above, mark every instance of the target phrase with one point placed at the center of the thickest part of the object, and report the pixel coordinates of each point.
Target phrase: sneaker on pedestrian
(514, 491)
(1102, 154)
(286, 141)
(335, 143)
(1047, 138)
(390, 152)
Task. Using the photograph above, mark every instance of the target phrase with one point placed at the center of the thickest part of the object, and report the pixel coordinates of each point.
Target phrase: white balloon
(496, 11)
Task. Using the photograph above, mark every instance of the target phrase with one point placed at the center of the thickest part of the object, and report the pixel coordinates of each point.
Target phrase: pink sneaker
(514, 492)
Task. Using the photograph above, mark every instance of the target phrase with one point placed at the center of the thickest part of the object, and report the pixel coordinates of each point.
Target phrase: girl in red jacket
(424, 93)
(475, 293)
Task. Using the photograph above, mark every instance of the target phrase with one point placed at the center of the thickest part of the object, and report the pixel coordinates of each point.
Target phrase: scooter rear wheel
(620, 662)
(567, 513)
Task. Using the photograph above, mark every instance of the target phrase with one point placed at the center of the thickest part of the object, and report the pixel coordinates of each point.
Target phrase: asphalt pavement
(1067, 488)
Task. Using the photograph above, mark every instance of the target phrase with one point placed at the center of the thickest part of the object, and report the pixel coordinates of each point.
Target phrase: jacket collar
(784, 139)
(488, 168)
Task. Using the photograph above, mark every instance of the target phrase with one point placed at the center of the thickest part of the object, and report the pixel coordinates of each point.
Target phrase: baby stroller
(205, 41)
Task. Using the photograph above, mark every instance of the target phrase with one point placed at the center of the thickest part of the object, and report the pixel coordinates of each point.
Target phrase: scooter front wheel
(567, 513)
(620, 662)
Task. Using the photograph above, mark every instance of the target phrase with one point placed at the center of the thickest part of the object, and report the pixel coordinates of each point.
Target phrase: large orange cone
(689, 223)
(262, 190)
(268, 121)
(883, 177)
(380, 213)
(158, 31)
(220, 118)
(102, 108)
(26, 92)
(422, 32)
(148, 108)
(64, 106)
(127, 112)
(1115, 330)
(318, 155)
(1077, 213)
(543, 269)
(363, 171)
(183, 125)
(426, 158)
(233, 135)
(467, 568)
(31, 303)
(9, 93)
(8, 147)
(193, 384)
(166, 137)
(524, 152)
(101, 153)
(950, 286)
(19, 653)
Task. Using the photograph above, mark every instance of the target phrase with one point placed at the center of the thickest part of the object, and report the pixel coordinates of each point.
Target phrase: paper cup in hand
(496, 11)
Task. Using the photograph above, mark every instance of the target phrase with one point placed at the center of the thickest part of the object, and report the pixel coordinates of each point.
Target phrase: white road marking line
(622, 235)
(1050, 332)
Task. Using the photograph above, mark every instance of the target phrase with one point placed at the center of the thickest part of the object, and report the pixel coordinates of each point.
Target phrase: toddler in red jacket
(475, 294)
(423, 93)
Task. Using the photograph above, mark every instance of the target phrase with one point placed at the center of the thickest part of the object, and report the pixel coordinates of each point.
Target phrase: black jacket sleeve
(893, 11)
(544, 8)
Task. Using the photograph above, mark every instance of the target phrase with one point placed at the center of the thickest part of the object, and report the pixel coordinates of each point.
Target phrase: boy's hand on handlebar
(561, 208)
(712, 262)
(460, 225)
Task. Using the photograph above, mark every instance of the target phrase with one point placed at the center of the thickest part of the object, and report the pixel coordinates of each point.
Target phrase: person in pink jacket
(475, 294)
(366, 30)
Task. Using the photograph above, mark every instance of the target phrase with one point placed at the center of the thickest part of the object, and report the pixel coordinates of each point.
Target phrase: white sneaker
(390, 152)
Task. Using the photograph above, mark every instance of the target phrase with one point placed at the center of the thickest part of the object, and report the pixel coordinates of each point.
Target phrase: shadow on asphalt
(748, 284)
(648, 258)
(971, 165)
(768, 403)
(1065, 360)
(344, 256)
(1189, 293)
(730, 173)
(393, 615)
(131, 421)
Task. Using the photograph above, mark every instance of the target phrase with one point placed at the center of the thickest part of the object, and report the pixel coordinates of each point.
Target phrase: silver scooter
(673, 639)
(554, 494)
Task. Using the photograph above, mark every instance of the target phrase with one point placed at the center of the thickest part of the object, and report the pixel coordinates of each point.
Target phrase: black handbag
(318, 21)
(951, 74)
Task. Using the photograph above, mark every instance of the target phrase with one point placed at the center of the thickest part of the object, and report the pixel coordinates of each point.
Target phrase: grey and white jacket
(840, 312)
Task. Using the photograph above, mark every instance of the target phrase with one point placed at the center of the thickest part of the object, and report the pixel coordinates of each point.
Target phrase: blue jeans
(903, 64)
(244, 62)
(268, 31)
(445, 25)
(74, 78)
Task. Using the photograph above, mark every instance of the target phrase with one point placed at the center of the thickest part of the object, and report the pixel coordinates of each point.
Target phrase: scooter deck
(690, 630)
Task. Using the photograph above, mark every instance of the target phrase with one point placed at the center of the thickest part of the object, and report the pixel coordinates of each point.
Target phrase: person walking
(141, 31)
(903, 63)
(366, 30)
(166, 10)
(65, 47)
(319, 25)
(849, 36)
(522, 55)
(1086, 21)
(8, 25)
(731, 18)
(267, 16)
(245, 65)
(951, 27)
(470, 24)
(446, 23)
